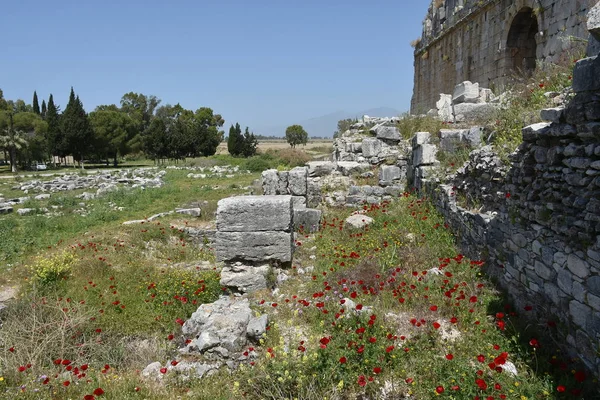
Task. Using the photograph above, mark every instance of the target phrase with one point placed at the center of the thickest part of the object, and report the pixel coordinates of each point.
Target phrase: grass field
(391, 311)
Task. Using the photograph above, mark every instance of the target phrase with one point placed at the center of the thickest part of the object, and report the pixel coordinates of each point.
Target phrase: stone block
(320, 168)
(578, 266)
(465, 92)
(533, 132)
(254, 246)
(298, 202)
(421, 138)
(444, 107)
(593, 21)
(553, 114)
(580, 313)
(586, 75)
(472, 136)
(254, 214)
(371, 147)
(347, 168)
(358, 221)
(386, 132)
(297, 181)
(307, 218)
(450, 139)
(388, 174)
(424, 154)
(270, 181)
(313, 193)
(245, 278)
(473, 112)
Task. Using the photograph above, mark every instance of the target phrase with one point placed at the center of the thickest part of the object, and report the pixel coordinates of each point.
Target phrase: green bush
(256, 164)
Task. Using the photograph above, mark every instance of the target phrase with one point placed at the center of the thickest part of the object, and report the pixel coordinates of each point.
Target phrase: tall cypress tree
(235, 140)
(44, 109)
(54, 136)
(36, 105)
(76, 129)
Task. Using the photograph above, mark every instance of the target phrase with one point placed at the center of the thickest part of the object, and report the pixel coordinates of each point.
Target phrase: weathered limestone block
(472, 136)
(313, 193)
(444, 107)
(421, 138)
(282, 186)
(297, 181)
(254, 246)
(388, 174)
(371, 147)
(358, 221)
(254, 214)
(586, 75)
(386, 132)
(257, 327)
(424, 154)
(320, 168)
(473, 111)
(450, 139)
(298, 202)
(307, 218)
(245, 278)
(465, 92)
(270, 181)
(349, 167)
(223, 323)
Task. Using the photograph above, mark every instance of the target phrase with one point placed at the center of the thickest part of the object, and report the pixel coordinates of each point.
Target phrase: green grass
(111, 296)
(23, 236)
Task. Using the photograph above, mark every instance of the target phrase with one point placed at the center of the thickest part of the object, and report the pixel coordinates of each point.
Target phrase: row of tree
(30, 132)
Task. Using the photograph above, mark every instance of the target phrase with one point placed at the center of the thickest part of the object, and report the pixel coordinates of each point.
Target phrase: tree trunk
(115, 163)
(13, 159)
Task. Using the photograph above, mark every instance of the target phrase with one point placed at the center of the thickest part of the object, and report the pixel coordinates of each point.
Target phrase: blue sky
(258, 62)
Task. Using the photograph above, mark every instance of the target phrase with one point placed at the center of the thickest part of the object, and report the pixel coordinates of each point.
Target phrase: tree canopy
(295, 135)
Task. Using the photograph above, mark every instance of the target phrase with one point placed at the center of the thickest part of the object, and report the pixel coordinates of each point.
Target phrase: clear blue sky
(257, 62)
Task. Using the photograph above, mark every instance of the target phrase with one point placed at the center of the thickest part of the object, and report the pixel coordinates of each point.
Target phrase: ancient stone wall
(485, 41)
(539, 231)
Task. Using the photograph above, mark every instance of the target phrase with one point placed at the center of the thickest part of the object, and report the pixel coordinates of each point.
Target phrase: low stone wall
(540, 234)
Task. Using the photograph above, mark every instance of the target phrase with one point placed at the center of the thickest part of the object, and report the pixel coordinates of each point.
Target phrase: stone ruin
(487, 41)
(254, 237)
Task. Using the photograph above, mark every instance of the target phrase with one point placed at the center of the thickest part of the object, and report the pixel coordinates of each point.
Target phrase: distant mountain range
(325, 125)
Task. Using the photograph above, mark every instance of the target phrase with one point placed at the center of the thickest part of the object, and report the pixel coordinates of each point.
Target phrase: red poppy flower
(343, 360)
(98, 392)
(66, 383)
(481, 358)
(88, 397)
(481, 383)
(439, 389)
(377, 370)
(433, 308)
(560, 388)
(449, 356)
(163, 370)
(436, 325)
(362, 381)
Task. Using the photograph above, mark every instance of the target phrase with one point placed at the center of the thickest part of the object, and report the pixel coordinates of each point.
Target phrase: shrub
(293, 157)
(50, 270)
(410, 124)
(257, 164)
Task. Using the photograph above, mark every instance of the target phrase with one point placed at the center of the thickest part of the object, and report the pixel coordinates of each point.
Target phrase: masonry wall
(469, 40)
(540, 236)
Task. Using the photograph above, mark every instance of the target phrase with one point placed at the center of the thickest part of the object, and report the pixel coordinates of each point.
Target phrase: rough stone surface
(297, 181)
(222, 324)
(245, 278)
(255, 213)
(254, 246)
(371, 147)
(307, 218)
(387, 132)
(358, 221)
(320, 168)
(424, 154)
(465, 92)
(388, 174)
(586, 75)
(257, 327)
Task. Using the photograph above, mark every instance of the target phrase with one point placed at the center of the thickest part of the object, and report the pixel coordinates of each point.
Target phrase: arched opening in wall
(521, 43)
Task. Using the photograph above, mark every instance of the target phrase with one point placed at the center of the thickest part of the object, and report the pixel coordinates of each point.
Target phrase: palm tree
(13, 141)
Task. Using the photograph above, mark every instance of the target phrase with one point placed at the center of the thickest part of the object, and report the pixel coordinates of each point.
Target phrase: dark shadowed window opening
(521, 41)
